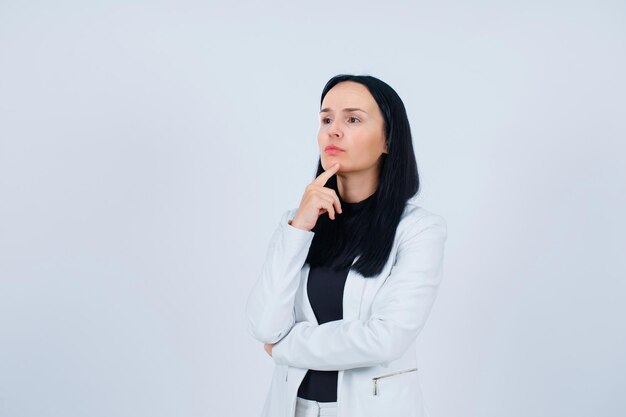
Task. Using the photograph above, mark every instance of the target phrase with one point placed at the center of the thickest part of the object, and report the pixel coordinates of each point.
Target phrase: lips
(332, 148)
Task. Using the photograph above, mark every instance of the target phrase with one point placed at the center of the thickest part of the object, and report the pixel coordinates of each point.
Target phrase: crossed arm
(398, 313)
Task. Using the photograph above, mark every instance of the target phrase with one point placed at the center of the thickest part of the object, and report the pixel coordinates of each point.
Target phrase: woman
(342, 297)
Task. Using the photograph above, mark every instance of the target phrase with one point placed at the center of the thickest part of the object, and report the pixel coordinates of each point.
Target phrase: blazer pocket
(377, 379)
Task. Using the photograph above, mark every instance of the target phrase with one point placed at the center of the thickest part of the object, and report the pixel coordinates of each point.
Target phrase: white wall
(148, 148)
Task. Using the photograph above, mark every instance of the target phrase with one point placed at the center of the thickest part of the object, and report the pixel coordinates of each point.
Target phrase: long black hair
(371, 232)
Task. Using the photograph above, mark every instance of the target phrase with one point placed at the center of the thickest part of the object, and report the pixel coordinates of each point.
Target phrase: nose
(334, 130)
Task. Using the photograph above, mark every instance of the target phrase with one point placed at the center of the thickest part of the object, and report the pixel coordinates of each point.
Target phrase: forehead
(349, 94)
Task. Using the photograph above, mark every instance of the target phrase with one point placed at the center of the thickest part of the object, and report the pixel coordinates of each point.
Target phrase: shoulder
(416, 219)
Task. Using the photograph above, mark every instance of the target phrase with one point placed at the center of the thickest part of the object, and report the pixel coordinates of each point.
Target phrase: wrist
(292, 223)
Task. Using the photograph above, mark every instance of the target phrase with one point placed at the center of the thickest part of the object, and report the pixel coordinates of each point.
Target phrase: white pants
(310, 408)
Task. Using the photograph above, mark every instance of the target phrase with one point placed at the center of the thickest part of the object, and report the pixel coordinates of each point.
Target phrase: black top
(325, 292)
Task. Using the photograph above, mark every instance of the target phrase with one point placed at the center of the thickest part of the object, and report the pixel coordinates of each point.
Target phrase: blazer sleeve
(270, 306)
(399, 311)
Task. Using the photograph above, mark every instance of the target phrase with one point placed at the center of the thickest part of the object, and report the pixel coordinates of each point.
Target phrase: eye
(356, 118)
(324, 120)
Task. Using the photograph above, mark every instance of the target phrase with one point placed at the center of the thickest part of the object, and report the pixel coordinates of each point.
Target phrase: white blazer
(373, 346)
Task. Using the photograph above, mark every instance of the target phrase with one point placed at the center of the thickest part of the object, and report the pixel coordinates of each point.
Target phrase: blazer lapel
(353, 294)
(307, 309)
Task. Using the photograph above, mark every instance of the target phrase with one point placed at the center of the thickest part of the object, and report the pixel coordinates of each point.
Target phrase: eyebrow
(347, 109)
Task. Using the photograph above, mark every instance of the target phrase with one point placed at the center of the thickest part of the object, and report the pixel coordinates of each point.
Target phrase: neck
(355, 187)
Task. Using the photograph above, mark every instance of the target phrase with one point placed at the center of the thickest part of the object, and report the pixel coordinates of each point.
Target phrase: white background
(148, 149)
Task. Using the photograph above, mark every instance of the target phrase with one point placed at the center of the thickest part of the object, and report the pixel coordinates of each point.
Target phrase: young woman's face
(351, 120)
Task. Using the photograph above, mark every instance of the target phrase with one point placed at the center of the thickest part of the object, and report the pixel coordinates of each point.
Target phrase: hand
(268, 348)
(317, 200)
